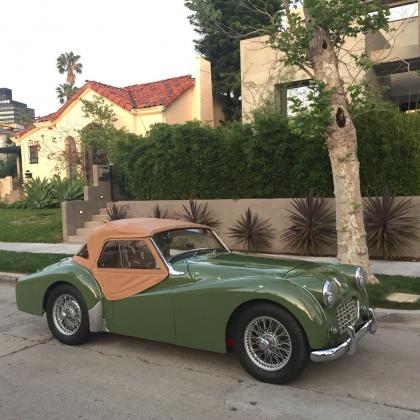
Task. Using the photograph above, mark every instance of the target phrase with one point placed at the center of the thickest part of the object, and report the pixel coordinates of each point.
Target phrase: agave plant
(67, 189)
(198, 213)
(116, 211)
(389, 225)
(312, 226)
(251, 232)
(38, 193)
(160, 213)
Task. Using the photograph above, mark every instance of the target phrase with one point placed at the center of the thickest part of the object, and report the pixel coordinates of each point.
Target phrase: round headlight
(329, 293)
(361, 277)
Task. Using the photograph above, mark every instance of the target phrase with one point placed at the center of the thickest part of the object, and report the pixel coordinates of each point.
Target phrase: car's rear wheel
(270, 343)
(67, 315)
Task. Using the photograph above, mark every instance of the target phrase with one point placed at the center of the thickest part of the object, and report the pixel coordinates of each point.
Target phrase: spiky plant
(115, 211)
(198, 213)
(312, 226)
(38, 193)
(160, 213)
(251, 232)
(66, 189)
(390, 224)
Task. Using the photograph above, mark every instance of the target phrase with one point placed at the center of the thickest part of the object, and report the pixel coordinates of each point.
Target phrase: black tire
(82, 333)
(295, 359)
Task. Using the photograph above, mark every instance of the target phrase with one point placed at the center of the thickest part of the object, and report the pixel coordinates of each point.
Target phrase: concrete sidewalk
(37, 248)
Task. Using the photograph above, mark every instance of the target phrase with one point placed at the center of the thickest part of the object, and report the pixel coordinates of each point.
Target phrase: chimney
(203, 93)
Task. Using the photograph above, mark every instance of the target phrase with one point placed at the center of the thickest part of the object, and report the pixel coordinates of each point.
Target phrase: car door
(128, 266)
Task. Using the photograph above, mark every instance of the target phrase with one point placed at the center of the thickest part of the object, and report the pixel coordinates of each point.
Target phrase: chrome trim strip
(171, 270)
(217, 236)
(349, 346)
(96, 321)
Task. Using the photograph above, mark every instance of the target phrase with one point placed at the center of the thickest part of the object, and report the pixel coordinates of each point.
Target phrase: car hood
(307, 274)
(233, 263)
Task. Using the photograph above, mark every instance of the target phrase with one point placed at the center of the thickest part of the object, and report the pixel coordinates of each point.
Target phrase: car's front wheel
(67, 315)
(270, 344)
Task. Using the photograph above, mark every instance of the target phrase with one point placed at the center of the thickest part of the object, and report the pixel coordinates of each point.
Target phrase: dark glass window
(33, 154)
(84, 252)
(110, 256)
(133, 254)
(136, 255)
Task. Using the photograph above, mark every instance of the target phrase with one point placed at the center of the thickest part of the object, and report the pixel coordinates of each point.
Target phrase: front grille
(347, 314)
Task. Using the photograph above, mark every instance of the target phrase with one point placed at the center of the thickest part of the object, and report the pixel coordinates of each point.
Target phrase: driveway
(118, 377)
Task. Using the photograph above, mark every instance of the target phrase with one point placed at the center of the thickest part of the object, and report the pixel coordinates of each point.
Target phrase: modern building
(136, 107)
(395, 56)
(11, 111)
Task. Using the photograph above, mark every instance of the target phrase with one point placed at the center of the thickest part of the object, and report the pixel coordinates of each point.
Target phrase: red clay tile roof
(146, 95)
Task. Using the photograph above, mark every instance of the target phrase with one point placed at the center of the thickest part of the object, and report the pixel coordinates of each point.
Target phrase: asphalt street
(114, 377)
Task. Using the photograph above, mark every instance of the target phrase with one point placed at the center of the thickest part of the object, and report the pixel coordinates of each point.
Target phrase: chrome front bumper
(349, 346)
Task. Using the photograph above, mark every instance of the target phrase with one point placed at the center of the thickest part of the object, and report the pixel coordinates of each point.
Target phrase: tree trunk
(71, 78)
(341, 141)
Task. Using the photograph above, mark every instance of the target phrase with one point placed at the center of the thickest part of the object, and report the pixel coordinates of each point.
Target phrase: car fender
(300, 303)
(215, 304)
(32, 290)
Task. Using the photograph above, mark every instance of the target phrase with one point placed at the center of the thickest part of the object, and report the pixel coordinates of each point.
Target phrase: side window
(133, 254)
(136, 255)
(84, 252)
(110, 256)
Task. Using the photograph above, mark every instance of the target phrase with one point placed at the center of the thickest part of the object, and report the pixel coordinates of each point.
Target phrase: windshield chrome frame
(169, 266)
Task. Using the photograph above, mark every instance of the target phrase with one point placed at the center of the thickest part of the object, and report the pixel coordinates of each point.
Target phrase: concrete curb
(9, 277)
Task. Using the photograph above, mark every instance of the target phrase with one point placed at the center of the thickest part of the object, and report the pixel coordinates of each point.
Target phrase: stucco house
(395, 56)
(136, 107)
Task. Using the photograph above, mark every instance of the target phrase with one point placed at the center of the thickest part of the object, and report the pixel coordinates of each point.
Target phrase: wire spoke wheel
(67, 314)
(267, 343)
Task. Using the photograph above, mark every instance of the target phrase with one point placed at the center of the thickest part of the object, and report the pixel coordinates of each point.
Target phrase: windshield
(181, 243)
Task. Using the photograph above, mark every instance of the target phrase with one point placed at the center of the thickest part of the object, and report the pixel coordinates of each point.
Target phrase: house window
(33, 154)
(405, 11)
(286, 91)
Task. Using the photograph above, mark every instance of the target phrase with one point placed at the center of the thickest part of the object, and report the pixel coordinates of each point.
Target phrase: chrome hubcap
(67, 315)
(267, 343)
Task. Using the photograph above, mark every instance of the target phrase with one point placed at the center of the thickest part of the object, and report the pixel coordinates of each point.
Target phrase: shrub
(159, 213)
(388, 150)
(389, 225)
(251, 232)
(267, 158)
(38, 193)
(198, 213)
(66, 189)
(116, 211)
(312, 226)
(42, 193)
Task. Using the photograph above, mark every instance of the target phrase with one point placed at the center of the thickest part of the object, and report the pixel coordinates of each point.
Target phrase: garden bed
(394, 284)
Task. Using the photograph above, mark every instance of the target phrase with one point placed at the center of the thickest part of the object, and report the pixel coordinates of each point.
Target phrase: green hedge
(264, 159)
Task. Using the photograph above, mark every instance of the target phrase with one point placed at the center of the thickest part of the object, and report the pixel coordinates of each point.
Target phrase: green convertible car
(176, 282)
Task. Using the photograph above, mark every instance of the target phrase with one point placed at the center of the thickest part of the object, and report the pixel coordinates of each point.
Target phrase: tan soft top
(140, 227)
(121, 283)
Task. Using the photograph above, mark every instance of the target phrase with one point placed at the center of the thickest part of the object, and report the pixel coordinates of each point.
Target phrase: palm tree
(69, 63)
(65, 91)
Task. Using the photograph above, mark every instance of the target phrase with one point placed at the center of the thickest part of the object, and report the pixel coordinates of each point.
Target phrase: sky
(121, 42)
